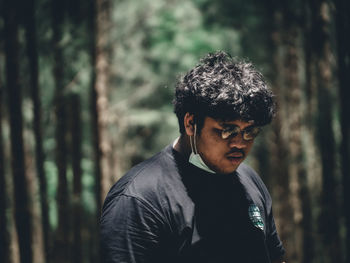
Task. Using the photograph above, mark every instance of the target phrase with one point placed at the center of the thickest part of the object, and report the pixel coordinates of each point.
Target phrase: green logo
(255, 216)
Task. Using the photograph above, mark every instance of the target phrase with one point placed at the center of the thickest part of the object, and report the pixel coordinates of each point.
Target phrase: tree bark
(4, 229)
(21, 197)
(297, 167)
(279, 149)
(76, 142)
(321, 58)
(100, 22)
(62, 247)
(291, 178)
(93, 244)
(32, 52)
(343, 45)
(100, 99)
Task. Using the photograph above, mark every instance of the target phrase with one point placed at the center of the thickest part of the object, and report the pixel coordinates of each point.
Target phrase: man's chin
(228, 166)
(228, 170)
(233, 164)
(235, 161)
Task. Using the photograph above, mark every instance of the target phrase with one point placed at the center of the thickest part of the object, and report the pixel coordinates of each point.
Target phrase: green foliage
(153, 42)
(51, 177)
(88, 186)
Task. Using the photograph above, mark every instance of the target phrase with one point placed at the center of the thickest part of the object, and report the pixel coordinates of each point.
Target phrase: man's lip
(235, 160)
(235, 155)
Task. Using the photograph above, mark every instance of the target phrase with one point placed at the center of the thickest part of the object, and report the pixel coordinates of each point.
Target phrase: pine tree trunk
(94, 112)
(321, 58)
(279, 150)
(33, 190)
(99, 105)
(4, 229)
(32, 52)
(62, 245)
(21, 197)
(100, 99)
(291, 177)
(76, 142)
(297, 166)
(343, 44)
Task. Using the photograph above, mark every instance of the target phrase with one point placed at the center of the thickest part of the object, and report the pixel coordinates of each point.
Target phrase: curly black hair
(225, 89)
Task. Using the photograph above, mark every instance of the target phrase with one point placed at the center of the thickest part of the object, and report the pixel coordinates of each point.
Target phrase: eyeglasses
(248, 134)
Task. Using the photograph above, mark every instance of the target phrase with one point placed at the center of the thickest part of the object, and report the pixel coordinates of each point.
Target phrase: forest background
(86, 90)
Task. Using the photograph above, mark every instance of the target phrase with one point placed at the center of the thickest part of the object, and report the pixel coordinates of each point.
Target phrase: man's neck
(183, 146)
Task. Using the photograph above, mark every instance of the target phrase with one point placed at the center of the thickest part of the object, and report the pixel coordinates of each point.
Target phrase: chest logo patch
(255, 216)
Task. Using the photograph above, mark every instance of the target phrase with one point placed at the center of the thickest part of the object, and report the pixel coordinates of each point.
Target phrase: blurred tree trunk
(4, 229)
(76, 142)
(100, 23)
(279, 151)
(296, 125)
(293, 118)
(343, 42)
(32, 52)
(281, 192)
(321, 57)
(100, 99)
(94, 113)
(21, 197)
(32, 185)
(292, 190)
(62, 245)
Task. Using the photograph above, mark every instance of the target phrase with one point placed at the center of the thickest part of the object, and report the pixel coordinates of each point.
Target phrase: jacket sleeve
(130, 231)
(273, 241)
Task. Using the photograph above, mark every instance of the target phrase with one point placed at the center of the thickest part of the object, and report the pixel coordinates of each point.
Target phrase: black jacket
(167, 210)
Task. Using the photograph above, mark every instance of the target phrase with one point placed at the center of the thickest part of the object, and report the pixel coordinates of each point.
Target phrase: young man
(196, 201)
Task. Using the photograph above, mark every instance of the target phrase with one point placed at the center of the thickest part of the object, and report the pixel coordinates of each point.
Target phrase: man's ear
(189, 124)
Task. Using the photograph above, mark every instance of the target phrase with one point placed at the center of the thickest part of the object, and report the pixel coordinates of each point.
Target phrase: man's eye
(218, 132)
(229, 132)
(252, 130)
(226, 133)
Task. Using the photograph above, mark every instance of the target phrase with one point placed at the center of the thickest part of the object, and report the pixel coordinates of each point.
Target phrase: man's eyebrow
(230, 126)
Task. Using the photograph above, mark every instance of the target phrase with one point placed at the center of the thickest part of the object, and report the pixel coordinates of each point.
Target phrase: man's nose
(237, 142)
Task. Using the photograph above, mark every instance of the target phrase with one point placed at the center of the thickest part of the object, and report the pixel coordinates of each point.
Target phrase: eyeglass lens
(248, 134)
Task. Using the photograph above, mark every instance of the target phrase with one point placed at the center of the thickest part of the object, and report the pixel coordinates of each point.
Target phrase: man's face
(222, 155)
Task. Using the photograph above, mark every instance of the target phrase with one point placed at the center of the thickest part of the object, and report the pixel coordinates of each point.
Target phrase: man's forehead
(233, 123)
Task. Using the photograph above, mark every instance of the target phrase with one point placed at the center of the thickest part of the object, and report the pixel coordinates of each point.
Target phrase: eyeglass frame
(234, 132)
